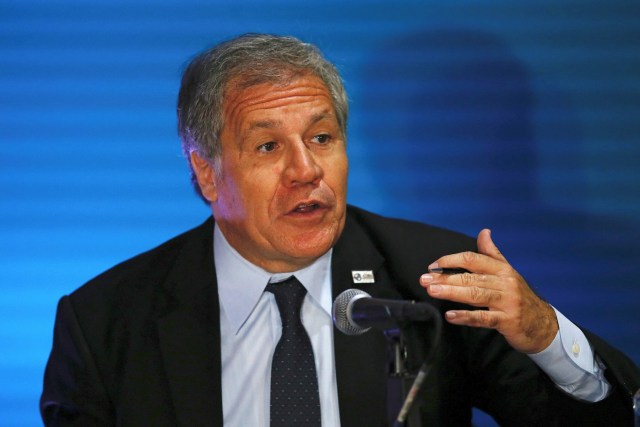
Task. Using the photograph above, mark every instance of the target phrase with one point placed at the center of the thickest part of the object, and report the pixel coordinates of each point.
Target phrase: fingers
(529, 331)
(487, 247)
(488, 260)
(509, 305)
(476, 318)
(478, 290)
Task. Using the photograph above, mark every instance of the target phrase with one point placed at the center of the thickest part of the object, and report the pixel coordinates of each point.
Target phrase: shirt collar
(241, 283)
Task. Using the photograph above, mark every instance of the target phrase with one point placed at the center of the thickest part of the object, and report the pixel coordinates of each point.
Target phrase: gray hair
(247, 60)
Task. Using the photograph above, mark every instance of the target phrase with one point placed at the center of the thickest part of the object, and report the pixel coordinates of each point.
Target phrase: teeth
(306, 208)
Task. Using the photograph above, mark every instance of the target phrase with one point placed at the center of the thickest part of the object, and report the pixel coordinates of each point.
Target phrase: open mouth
(306, 207)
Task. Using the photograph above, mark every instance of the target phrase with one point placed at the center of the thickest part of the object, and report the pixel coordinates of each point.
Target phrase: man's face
(281, 198)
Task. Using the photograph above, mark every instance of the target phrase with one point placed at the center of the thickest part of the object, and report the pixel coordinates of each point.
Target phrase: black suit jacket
(140, 344)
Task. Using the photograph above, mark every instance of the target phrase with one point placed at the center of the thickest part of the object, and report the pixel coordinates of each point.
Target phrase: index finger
(471, 261)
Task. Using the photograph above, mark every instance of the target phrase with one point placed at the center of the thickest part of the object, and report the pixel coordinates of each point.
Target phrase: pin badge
(362, 276)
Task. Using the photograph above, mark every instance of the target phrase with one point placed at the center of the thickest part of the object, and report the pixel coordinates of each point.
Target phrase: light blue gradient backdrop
(522, 116)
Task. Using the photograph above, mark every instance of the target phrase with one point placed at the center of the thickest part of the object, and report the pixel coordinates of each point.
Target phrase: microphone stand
(399, 379)
(398, 373)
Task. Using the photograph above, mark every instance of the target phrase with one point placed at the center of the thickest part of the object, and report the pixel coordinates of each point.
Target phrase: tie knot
(289, 297)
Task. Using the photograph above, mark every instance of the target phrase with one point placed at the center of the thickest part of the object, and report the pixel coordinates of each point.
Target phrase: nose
(302, 167)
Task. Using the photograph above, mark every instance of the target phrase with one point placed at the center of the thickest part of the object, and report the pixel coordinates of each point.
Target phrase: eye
(322, 138)
(267, 147)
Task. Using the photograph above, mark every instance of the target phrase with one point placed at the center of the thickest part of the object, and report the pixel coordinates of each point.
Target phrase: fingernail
(426, 279)
(435, 289)
(434, 265)
(450, 315)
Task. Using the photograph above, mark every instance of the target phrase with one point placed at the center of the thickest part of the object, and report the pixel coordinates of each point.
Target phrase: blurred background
(518, 116)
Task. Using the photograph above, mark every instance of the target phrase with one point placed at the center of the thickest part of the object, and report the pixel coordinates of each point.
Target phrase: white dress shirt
(570, 363)
(250, 328)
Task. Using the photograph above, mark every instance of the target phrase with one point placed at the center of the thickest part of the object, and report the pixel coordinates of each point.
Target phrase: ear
(205, 174)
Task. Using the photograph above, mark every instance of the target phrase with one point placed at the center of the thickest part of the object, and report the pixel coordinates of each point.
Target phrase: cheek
(230, 201)
(336, 176)
(261, 185)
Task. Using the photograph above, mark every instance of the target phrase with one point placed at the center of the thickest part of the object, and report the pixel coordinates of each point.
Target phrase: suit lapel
(361, 363)
(189, 333)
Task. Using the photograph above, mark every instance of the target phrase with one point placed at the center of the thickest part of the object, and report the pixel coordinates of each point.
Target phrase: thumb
(487, 247)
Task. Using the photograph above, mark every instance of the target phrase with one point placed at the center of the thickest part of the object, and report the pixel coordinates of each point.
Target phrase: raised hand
(509, 305)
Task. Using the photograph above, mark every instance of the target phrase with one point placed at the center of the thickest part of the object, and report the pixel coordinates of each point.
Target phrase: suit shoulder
(408, 247)
(145, 269)
(409, 235)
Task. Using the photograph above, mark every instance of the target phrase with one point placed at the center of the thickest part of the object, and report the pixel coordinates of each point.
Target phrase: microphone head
(342, 312)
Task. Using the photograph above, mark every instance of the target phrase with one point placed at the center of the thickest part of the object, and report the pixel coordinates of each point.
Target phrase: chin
(311, 246)
(311, 249)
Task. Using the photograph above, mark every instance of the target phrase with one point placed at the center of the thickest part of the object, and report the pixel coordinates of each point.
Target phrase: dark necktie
(295, 400)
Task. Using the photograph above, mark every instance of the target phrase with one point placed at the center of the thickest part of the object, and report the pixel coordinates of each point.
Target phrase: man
(185, 334)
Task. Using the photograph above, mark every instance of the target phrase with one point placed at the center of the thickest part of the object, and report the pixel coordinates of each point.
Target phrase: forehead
(241, 103)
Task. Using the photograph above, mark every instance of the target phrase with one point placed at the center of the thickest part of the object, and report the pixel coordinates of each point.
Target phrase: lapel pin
(362, 276)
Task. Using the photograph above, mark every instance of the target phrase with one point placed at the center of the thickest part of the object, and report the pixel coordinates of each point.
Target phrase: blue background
(520, 116)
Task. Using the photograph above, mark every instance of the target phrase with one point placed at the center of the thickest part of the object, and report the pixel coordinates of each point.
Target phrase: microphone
(355, 312)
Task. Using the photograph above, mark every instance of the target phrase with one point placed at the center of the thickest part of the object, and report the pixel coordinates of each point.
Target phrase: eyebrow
(264, 124)
(320, 116)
